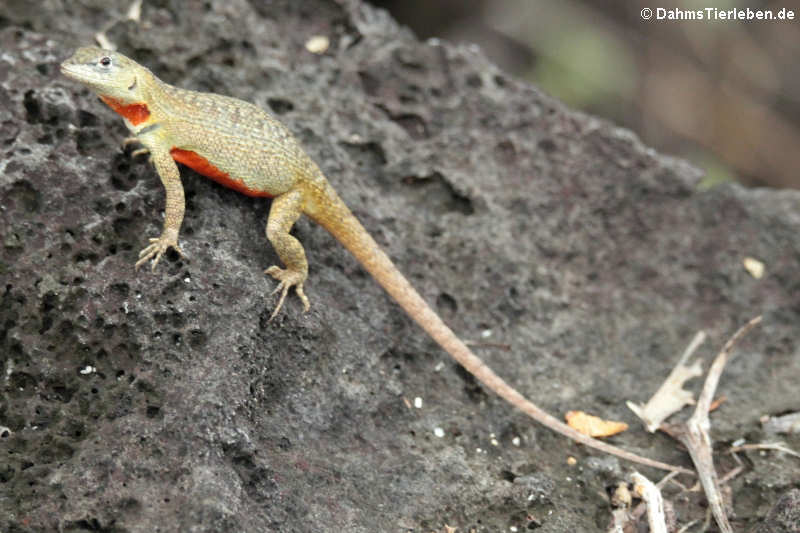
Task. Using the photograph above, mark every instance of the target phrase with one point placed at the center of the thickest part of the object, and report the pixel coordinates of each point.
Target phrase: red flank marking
(202, 166)
(135, 113)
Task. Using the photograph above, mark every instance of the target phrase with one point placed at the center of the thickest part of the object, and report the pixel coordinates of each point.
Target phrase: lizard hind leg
(285, 211)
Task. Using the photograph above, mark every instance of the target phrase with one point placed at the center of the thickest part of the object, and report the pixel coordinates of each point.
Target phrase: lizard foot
(127, 141)
(157, 248)
(288, 279)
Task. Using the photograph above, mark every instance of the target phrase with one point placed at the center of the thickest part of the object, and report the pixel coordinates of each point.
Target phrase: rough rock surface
(784, 517)
(139, 401)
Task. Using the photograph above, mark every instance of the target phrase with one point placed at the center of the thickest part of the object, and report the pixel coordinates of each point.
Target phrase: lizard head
(109, 74)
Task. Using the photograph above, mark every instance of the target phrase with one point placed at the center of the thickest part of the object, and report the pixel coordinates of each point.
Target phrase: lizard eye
(105, 61)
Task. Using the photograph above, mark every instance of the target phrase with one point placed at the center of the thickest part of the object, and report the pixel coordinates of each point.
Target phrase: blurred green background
(723, 94)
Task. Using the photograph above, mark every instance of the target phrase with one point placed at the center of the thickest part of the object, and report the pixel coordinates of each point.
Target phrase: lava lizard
(242, 147)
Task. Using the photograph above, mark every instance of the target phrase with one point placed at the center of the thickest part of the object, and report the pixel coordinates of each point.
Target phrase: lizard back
(231, 141)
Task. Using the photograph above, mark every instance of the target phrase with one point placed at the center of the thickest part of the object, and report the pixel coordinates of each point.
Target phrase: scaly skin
(242, 147)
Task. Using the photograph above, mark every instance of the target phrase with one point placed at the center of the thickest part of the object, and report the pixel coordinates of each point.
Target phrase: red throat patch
(201, 165)
(135, 113)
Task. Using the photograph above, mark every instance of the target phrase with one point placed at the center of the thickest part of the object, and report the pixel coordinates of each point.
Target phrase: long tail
(345, 227)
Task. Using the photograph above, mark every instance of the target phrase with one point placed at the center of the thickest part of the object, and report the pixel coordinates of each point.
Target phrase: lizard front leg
(285, 211)
(127, 141)
(173, 211)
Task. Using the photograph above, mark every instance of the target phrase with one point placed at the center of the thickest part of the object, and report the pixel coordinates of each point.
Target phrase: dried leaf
(671, 397)
(754, 267)
(593, 425)
(318, 44)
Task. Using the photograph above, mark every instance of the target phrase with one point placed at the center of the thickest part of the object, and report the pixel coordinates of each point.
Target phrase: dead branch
(695, 435)
(647, 491)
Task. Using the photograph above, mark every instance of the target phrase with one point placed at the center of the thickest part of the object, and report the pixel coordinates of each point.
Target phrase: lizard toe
(158, 247)
(288, 279)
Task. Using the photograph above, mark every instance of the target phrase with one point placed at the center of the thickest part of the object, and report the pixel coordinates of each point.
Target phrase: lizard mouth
(78, 73)
(67, 70)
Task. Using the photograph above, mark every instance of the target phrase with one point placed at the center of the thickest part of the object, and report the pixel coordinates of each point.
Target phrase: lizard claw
(288, 279)
(128, 141)
(157, 247)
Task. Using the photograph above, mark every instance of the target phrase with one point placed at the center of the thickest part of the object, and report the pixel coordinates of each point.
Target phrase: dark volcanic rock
(784, 517)
(165, 401)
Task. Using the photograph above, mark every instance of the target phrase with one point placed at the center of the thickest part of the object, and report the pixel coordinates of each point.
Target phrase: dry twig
(647, 491)
(774, 446)
(694, 434)
(782, 424)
